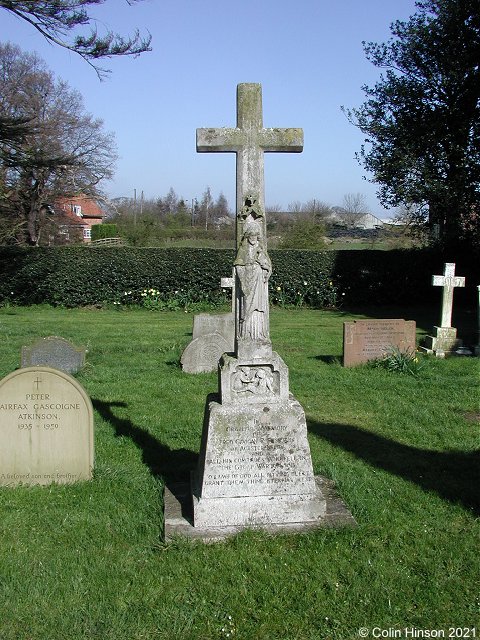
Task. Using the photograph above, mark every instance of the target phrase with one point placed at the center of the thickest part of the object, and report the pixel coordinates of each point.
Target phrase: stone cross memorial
(46, 428)
(445, 339)
(255, 467)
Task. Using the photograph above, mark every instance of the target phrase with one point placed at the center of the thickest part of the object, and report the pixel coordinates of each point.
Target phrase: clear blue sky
(307, 54)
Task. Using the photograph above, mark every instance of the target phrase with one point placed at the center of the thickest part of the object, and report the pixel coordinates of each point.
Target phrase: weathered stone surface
(255, 467)
(443, 342)
(46, 428)
(448, 281)
(222, 323)
(477, 347)
(54, 352)
(365, 340)
(248, 381)
(203, 353)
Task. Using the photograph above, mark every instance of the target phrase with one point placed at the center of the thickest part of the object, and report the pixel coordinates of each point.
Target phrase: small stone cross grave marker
(445, 339)
(448, 281)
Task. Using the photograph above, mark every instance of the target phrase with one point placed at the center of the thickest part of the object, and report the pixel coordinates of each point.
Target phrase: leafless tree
(353, 209)
(317, 210)
(62, 150)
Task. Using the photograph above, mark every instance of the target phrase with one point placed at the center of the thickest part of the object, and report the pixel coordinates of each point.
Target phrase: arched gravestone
(54, 352)
(46, 428)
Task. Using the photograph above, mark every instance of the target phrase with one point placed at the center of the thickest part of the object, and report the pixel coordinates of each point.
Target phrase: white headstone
(448, 281)
(445, 339)
(46, 428)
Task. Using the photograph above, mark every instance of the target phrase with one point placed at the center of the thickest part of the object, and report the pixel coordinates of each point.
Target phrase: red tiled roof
(89, 207)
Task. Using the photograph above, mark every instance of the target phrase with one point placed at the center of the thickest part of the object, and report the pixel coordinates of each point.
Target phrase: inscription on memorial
(46, 428)
(365, 340)
(256, 457)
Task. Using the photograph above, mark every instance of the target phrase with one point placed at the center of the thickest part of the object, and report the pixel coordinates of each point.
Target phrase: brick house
(77, 215)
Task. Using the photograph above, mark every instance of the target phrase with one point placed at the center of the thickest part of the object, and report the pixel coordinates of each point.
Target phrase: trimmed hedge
(104, 230)
(77, 276)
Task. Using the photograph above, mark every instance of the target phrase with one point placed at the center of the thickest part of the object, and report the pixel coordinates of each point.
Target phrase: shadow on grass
(453, 475)
(328, 359)
(173, 466)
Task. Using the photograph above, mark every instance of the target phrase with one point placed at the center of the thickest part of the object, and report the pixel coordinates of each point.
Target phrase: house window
(87, 234)
(77, 209)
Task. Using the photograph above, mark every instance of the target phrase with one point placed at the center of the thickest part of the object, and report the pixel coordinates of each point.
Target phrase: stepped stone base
(444, 341)
(178, 511)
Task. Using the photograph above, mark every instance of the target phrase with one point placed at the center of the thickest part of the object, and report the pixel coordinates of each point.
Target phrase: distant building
(355, 220)
(76, 216)
(369, 221)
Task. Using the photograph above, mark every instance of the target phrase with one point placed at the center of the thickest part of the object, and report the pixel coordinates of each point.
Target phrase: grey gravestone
(213, 335)
(255, 467)
(365, 340)
(46, 428)
(204, 352)
(445, 339)
(54, 352)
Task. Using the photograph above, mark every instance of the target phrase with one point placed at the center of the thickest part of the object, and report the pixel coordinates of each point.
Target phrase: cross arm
(223, 139)
(282, 140)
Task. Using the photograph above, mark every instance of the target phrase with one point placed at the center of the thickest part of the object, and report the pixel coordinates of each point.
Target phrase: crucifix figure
(249, 140)
(448, 281)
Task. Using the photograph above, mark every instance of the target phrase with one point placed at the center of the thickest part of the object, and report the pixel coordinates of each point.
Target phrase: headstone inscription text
(46, 428)
(365, 340)
(256, 457)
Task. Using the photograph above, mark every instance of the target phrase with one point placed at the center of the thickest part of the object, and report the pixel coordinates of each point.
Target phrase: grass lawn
(88, 561)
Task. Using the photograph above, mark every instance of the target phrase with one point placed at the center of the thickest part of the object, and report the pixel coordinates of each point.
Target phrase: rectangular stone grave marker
(54, 352)
(365, 340)
(477, 346)
(46, 428)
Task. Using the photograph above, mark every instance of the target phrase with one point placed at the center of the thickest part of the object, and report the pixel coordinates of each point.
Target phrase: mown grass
(89, 560)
